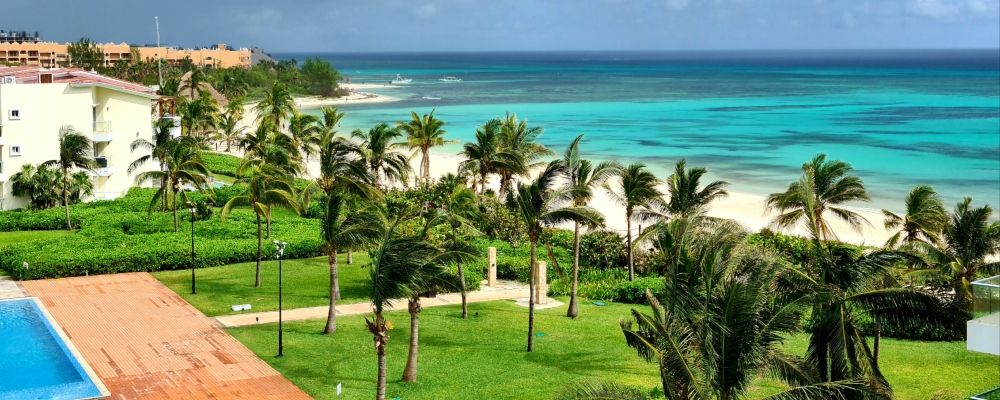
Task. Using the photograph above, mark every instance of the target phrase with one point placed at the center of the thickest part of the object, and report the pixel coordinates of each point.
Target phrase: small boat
(400, 80)
(450, 79)
(431, 98)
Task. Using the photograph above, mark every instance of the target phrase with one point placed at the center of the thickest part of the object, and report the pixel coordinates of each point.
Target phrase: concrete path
(145, 342)
(504, 290)
(9, 288)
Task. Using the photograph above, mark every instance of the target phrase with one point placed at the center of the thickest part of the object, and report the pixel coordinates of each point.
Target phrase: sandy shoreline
(357, 95)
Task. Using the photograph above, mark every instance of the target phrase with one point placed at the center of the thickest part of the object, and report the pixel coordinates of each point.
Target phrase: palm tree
(195, 82)
(181, 163)
(968, 240)
(304, 132)
(686, 197)
(276, 107)
(487, 156)
(422, 134)
(379, 148)
(230, 130)
(517, 138)
(199, 117)
(459, 207)
(824, 186)
(75, 151)
(158, 149)
(399, 265)
(636, 191)
(581, 177)
(39, 185)
(265, 187)
(924, 219)
(271, 147)
(81, 185)
(539, 204)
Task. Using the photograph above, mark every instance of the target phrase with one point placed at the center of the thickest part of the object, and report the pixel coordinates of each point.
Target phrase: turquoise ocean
(900, 117)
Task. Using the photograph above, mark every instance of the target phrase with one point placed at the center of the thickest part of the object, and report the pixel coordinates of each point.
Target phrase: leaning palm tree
(486, 155)
(687, 197)
(924, 219)
(540, 204)
(276, 107)
(379, 147)
(181, 163)
(422, 134)
(635, 189)
(75, 151)
(518, 138)
(969, 240)
(265, 187)
(825, 185)
(581, 176)
(304, 132)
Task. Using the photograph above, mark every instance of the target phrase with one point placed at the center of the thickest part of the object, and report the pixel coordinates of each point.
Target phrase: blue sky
(503, 25)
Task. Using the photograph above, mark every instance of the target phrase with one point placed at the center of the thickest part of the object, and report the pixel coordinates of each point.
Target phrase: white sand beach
(357, 95)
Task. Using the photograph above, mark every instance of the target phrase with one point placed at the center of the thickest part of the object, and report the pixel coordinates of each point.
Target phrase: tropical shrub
(221, 164)
(499, 222)
(602, 250)
(610, 285)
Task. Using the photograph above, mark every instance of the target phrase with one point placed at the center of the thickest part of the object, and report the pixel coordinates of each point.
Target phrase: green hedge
(610, 285)
(221, 164)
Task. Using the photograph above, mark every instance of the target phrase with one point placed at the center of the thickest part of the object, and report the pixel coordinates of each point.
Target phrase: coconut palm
(230, 130)
(379, 147)
(459, 207)
(581, 176)
(686, 195)
(157, 148)
(81, 185)
(75, 151)
(825, 185)
(276, 107)
(517, 138)
(181, 163)
(635, 189)
(540, 204)
(968, 241)
(195, 82)
(924, 219)
(38, 184)
(266, 186)
(199, 117)
(304, 132)
(486, 155)
(422, 134)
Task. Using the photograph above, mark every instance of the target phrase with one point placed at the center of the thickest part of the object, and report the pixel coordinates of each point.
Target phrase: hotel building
(35, 102)
(50, 54)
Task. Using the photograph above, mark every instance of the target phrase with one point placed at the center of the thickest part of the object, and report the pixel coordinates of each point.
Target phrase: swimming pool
(36, 362)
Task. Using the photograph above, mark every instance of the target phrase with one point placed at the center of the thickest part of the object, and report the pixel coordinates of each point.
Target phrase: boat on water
(399, 79)
(431, 98)
(450, 79)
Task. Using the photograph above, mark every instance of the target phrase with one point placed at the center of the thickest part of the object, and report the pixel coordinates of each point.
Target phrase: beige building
(35, 102)
(49, 54)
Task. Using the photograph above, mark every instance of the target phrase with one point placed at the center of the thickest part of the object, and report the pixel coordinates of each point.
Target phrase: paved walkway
(145, 342)
(9, 288)
(504, 290)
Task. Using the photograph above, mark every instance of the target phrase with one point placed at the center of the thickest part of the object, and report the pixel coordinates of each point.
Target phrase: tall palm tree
(517, 138)
(157, 148)
(686, 195)
(422, 134)
(75, 151)
(635, 190)
(825, 185)
(265, 187)
(276, 107)
(199, 117)
(181, 163)
(459, 207)
(379, 147)
(581, 176)
(486, 155)
(924, 219)
(271, 147)
(399, 265)
(540, 204)
(304, 132)
(968, 241)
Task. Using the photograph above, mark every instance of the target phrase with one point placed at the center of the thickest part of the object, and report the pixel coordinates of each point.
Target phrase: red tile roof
(74, 77)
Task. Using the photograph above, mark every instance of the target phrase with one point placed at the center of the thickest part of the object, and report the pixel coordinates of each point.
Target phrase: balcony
(984, 329)
(102, 132)
(102, 167)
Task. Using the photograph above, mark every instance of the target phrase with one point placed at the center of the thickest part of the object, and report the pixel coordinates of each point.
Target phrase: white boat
(431, 98)
(400, 80)
(450, 79)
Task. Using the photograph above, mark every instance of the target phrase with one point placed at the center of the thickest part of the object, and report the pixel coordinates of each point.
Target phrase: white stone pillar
(541, 282)
(491, 274)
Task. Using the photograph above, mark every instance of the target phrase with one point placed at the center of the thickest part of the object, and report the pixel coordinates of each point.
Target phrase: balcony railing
(984, 329)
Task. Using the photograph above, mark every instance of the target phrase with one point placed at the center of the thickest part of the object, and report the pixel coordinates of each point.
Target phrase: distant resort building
(18, 37)
(35, 102)
(50, 54)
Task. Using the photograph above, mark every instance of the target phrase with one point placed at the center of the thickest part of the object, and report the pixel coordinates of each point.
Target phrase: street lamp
(280, 246)
(193, 209)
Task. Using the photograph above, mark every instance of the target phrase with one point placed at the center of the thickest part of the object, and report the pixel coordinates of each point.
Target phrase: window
(15, 151)
(15, 114)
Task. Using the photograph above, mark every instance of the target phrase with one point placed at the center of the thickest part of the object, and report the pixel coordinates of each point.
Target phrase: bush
(603, 250)
(499, 222)
(221, 164)
(610, 285)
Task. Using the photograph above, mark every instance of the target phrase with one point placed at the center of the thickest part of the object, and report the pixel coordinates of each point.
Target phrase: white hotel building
(35, 102)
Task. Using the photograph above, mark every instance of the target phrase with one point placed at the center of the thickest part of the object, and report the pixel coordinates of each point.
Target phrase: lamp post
(280, 246)
(192, 208)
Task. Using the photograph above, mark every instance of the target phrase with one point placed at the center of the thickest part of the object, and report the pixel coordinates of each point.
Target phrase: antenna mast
(159, 58)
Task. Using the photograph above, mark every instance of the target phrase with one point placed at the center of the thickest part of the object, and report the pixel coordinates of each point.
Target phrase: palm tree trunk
(256, 279)
(173, 208)
(531, 293)
(331, 315)
(69, 223)
(465, 303)
(268, 210)
(350, 258)
(410, 371)
(425, 165)
(628, 245)
(380, 339)
(572, 311)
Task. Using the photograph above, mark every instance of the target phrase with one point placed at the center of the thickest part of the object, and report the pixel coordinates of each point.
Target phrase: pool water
(35, 363)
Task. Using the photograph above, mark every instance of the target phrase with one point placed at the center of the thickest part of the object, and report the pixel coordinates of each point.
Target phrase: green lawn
(27, 236)
(484, 357)
(306, 284)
